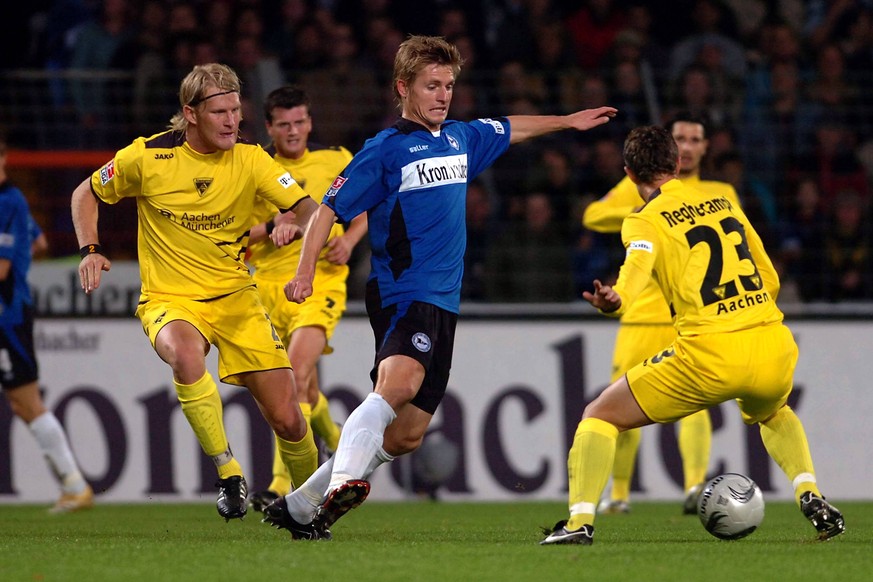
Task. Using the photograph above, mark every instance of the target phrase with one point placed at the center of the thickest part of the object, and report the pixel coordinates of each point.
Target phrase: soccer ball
(731, 506)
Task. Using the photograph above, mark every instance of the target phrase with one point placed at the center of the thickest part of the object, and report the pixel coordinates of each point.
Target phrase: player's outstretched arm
(525, 127)
(84, 208)
(604, 297)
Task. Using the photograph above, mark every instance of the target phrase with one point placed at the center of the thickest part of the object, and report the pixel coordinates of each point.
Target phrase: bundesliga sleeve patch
(286, 180)
(640, 245)
(337, 184)
(498, 127)
(107, 172)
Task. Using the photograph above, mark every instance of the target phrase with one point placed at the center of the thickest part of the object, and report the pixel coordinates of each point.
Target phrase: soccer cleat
(277, 515)
(613, 506)
(689, 507)
(260, 500)
(826, 518)
(340, 501)
(70, 502)
(584, 536)
(232, 494)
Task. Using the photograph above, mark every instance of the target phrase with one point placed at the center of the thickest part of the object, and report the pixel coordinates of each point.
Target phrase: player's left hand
(285, 233)
(604, 297)
(339, 250)
(588, 118)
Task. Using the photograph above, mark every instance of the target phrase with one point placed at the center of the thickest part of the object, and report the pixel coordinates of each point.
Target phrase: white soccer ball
(731, 506)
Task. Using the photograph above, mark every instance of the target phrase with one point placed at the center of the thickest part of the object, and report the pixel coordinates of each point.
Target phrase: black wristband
(270, 225)
(90, 250)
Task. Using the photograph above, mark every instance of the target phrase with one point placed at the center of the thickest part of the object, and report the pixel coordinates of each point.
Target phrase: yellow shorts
(636, 342)
(236, 324)
(755, 367)
(323, 308)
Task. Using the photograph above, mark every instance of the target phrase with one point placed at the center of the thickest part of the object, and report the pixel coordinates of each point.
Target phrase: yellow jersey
(194, 210)
(315, 171)
(607, 214)
(706, 258)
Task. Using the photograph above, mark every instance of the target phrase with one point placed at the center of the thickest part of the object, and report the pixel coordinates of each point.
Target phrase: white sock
(55, 447)
(361, 439)
(303, 501)
(380, 458)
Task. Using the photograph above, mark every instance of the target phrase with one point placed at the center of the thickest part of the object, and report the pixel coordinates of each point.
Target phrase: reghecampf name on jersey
(689, 212)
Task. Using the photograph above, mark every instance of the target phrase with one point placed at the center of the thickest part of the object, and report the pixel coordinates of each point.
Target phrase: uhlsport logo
(421, 342)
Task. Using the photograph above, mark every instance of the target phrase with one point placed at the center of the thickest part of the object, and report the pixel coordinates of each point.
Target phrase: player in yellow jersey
(731, 343)
(307, 327)
(195, 188)
(648, 326)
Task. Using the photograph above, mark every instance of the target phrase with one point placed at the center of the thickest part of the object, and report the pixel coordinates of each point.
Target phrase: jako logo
(164, 156)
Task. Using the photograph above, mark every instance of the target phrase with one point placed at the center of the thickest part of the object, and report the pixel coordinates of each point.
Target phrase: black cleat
(584, 536)
(277, 515)
(260, 500)
(826, 518)
(340, 501)
(231, 501)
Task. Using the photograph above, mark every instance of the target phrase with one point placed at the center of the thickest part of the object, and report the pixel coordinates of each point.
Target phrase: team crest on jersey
(286, 180)
(202, 185)
(498, 127)
(334, 188)
(421, 342)
(107, 172)
(640, 245)
(453, 142)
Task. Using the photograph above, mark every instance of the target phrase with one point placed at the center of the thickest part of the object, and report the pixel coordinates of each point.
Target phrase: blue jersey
(413, 185)
(16, 234)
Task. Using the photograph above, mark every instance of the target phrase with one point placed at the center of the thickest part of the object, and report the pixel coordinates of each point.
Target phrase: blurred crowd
(782, 83)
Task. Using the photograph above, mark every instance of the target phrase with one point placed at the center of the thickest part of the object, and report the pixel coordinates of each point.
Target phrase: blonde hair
(417, 51)
(192, 90)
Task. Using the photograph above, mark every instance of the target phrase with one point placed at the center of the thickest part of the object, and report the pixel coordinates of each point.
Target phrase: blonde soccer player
(195, 187)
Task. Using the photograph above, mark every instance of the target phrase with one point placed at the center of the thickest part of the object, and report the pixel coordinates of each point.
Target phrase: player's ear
(402, 89)
(631, 175)
(189, 114)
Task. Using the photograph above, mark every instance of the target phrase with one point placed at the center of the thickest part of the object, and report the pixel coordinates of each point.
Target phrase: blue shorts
(17, 357)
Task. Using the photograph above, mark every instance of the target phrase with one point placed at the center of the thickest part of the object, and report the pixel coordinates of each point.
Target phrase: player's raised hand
(588, 118)
(604, 297)
(91, 268)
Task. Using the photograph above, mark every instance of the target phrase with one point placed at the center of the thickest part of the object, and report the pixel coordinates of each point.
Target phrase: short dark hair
(689, 117)
(650, 152)
(287, 97)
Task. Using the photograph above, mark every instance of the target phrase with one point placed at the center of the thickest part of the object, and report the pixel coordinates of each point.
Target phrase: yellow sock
(626, 447)
(201, 405)
(695, 442)
(301, 458)
(323, 424)
(588, 468)
(785, 441)
(281, 483)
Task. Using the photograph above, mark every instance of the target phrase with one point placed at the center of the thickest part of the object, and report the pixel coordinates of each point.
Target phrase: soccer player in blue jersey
(20, 238)
(411, 179)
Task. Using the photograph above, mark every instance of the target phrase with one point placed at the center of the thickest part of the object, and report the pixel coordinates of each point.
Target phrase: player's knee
(401, 444)
(290, 426)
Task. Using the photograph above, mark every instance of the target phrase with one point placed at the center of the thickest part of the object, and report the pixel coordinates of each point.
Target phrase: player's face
(692, 146)
(214, 124)
(426, 100)
(290, 130)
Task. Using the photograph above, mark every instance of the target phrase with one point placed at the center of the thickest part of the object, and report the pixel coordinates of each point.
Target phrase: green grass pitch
(422, 541)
